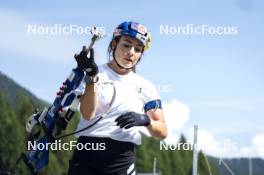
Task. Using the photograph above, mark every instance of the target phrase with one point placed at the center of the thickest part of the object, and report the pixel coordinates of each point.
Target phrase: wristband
(91, 80)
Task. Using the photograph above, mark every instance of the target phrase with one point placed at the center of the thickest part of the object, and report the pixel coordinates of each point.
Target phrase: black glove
(86, 63)
(131, 119)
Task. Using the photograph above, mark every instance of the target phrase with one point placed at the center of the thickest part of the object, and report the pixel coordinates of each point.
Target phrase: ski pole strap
(154, 104)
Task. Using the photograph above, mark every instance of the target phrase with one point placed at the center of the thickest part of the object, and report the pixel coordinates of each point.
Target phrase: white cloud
(227, 148)
(255, 149)
(219, 147)
(176, 115)
(258, 144)
(246, 152)
(207, 142)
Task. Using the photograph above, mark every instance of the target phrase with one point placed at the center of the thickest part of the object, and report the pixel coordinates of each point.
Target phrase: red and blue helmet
(134, 30)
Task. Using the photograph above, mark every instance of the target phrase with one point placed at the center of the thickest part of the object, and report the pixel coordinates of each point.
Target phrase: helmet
(135, 30)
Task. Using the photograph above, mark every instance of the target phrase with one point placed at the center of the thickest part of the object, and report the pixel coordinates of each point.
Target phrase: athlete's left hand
(131, 119)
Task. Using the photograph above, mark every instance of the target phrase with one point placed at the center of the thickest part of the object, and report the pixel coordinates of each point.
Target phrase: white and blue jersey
(133, 93)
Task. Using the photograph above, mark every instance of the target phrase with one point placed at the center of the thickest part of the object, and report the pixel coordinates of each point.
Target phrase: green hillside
(239, 166)
(12, 91)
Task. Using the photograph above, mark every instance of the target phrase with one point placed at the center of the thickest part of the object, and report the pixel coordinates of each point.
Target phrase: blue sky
(216, 80)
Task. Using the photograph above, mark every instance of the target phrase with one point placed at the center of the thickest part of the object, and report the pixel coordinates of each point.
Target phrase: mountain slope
(239, 166)
(11, 91)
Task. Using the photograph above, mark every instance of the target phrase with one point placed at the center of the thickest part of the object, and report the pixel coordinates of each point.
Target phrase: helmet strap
(122, 67)
(119, 65)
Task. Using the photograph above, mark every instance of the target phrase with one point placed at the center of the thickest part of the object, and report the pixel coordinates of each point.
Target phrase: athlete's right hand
(86, 63)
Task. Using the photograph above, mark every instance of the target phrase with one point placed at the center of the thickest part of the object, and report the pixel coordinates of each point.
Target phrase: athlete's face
(128, 51)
